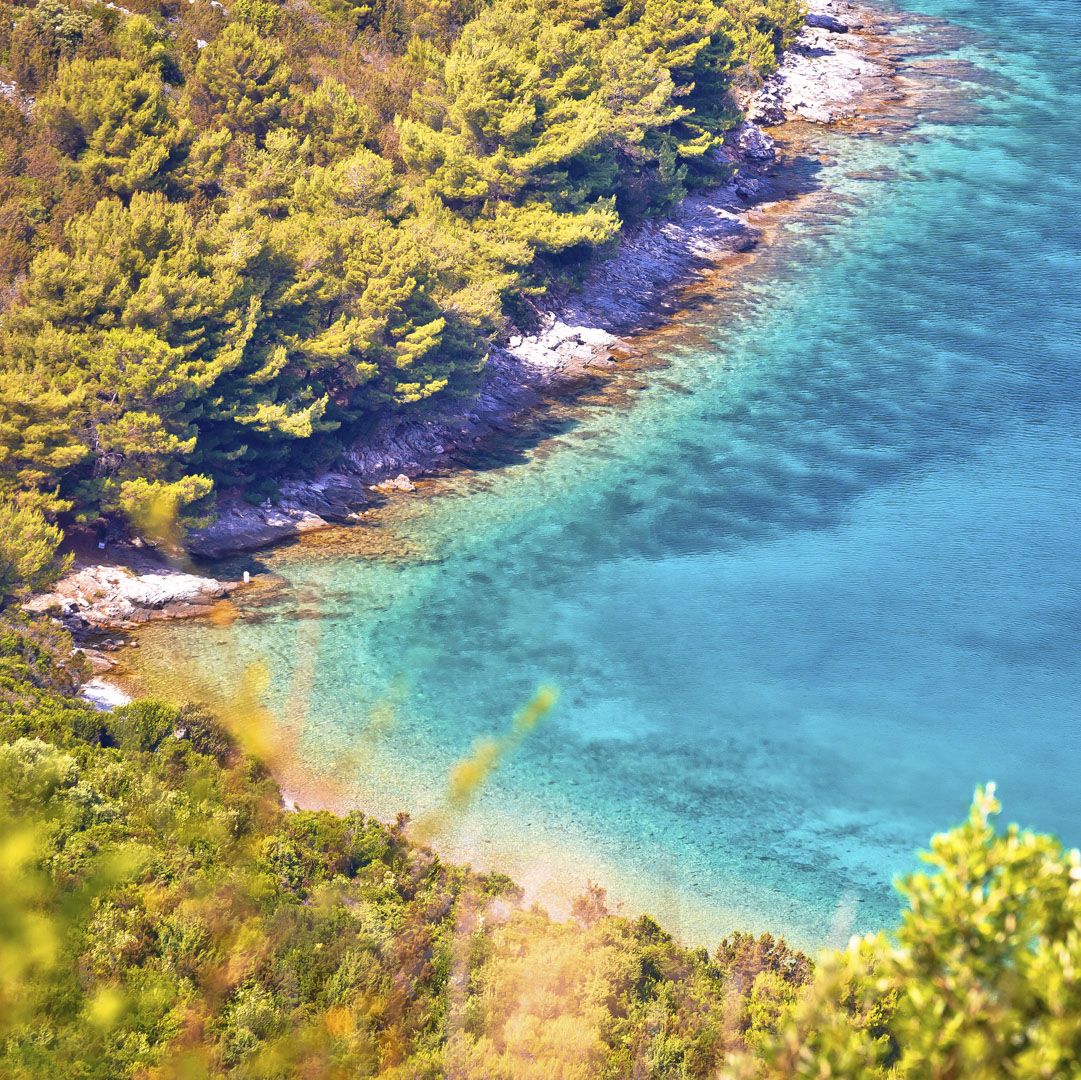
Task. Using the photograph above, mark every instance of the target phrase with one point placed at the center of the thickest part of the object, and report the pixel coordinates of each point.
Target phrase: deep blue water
(814, 584)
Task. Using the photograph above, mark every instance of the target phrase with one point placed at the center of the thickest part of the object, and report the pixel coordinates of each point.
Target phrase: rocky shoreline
(103, 597)
(831, 74)
(95, 601)
(836, 71)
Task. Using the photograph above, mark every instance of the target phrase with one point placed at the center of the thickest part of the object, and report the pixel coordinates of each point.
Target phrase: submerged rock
(100, 662)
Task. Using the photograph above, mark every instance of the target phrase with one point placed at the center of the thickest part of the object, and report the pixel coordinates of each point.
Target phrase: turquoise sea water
(813, 584)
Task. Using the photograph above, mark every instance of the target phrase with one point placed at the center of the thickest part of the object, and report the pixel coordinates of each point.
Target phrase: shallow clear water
(813, 584)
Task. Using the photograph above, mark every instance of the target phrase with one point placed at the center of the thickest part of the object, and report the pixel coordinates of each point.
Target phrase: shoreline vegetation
(839, 71)
(219, 257)
(164, 916)
(228, 265)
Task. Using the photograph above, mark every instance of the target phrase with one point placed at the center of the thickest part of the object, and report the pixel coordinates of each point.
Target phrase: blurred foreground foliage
(162, 915)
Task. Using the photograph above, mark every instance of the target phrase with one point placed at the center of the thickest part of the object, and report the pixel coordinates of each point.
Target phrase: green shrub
(142, 725)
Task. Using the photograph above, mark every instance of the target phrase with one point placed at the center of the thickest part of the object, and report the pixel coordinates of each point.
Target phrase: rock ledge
(98, 598)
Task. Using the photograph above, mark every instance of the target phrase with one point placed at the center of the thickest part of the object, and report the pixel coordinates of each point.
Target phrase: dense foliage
(228, 231)
(982, 980)
(161, 915)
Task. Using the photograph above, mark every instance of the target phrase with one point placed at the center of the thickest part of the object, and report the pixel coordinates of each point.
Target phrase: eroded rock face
(111, 597)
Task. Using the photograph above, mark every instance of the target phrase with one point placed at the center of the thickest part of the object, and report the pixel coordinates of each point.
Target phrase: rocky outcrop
(249, 528)
(630, 292)
(561, 346)
(514, 383)
(401, 482)
(111, 597)
(825, 75)
(753, 144)
(304, 504)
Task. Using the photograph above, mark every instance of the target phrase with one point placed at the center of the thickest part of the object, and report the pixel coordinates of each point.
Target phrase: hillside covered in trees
(162, 916)
(233, 235)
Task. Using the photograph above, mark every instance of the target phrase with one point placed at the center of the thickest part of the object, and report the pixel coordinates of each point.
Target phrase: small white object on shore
(103, 695)
(247, 578)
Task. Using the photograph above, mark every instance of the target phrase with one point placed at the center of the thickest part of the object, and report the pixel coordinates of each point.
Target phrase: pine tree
(29, 551)
(46, 36)
(139, 316)
(38, 441)
(333, 121)
(116, 123)
(241, 81)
